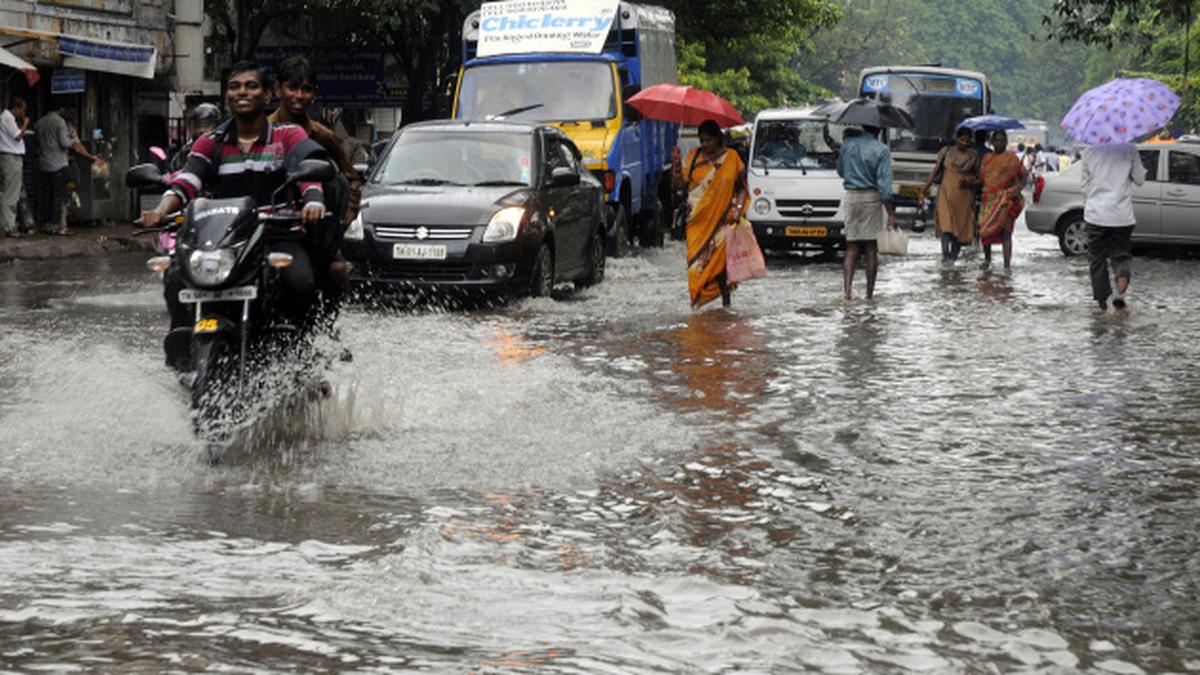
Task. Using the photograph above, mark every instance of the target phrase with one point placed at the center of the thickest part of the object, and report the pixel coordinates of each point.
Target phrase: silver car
(1167, 205)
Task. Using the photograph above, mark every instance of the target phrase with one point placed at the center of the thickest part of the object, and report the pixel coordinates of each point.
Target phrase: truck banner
(525, 26)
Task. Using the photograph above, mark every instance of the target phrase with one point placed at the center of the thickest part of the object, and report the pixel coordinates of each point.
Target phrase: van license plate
(239, 293)
(799, 231)
(418, 252)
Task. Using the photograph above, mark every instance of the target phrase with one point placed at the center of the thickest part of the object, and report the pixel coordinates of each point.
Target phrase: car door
(556, 203)
(578, 214)
(1146, 199)
(1181, 196)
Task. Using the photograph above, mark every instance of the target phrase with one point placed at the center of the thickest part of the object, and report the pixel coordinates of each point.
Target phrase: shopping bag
(892, 241)
(743, 258)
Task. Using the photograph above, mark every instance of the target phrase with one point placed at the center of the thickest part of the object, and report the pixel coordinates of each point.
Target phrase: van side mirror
(143, 175)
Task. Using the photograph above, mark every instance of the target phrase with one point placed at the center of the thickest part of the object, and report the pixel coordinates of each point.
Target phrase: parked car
(487, 206)
(1166, 206)
(796, 193)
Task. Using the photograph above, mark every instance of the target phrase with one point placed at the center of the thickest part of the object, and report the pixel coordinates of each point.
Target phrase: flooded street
(976, 472)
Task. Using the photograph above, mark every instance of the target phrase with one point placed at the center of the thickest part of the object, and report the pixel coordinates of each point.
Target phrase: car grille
(432, 232)
(421, 271)
(817, 208)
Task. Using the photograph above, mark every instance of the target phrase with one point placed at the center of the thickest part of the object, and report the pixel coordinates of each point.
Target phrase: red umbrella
(684, 105)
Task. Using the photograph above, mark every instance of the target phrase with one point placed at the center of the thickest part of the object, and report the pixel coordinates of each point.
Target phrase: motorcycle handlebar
(169, 223)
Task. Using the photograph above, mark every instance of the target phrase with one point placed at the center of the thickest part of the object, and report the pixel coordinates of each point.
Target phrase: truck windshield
(565, 90)
(937, 103)
(450, 158)
(796, 144)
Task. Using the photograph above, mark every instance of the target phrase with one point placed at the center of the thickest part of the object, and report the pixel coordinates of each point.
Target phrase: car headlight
(355, 230)
(211, 268)
(762, 206)
(505, 225)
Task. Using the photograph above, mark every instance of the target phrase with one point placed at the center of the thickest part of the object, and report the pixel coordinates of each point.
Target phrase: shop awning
(11, 60)
(110, 57)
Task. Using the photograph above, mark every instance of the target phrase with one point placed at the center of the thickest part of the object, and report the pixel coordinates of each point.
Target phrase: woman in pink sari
(1002, 176)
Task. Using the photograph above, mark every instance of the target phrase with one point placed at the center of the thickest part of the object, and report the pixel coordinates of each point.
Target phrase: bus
(938, 99)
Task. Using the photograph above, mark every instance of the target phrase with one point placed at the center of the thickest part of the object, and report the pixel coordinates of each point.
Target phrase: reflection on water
(976, 472)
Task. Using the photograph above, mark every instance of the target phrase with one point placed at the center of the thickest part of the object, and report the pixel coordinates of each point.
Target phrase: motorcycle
(221, 254)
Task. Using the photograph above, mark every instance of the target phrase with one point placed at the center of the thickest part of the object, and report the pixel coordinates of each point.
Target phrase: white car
(795, 192)
(1166, 206)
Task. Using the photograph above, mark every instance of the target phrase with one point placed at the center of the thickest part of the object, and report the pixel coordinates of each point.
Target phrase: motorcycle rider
(245, 157)
(205, 118)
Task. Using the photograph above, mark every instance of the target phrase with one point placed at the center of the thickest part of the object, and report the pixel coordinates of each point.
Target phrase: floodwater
(976, 472)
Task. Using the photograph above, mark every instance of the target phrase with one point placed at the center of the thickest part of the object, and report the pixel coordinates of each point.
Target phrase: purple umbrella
(1120, 111)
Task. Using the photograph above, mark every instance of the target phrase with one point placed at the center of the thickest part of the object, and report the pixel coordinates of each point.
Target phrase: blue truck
(549, 76)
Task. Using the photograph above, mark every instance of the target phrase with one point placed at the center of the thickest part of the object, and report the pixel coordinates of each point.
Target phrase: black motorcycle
(231, 278)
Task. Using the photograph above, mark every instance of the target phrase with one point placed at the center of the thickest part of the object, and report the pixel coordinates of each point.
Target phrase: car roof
(478, 126)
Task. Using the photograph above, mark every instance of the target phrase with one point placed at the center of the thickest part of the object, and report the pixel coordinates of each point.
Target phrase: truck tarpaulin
(525, 26)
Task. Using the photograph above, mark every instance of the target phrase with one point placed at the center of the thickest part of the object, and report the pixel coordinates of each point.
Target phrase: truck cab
(583, 93)
(795, 190)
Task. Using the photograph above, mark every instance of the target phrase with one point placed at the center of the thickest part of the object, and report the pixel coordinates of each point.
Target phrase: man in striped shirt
(244, 157)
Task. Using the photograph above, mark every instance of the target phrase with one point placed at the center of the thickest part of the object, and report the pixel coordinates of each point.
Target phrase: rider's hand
(152, 218)
(312, 212)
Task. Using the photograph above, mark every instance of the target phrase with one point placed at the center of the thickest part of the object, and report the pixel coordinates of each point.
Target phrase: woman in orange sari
(1002, 176)
(713, 177)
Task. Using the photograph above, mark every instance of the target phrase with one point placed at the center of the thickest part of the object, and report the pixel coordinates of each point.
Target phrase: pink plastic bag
(743, 258)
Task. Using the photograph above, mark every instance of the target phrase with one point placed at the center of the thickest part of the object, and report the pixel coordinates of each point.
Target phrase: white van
(795, 192)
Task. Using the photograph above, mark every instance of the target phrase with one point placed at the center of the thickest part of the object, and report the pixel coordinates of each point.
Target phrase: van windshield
(537, 91)
(796, 144)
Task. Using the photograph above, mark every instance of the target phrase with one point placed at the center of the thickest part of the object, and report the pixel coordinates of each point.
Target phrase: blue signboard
(345, 78)
(923, 84)
(68, 81)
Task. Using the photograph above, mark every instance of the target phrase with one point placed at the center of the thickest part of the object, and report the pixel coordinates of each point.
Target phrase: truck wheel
(618, 245)
(651, 232)
(1072, 237)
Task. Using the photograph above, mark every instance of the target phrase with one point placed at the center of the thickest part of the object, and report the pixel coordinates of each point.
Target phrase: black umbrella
(866, 112)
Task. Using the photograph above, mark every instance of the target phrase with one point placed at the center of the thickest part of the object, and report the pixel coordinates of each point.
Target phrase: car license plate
(418, 252)
(239, 293)
(910, 191)
(798, 231)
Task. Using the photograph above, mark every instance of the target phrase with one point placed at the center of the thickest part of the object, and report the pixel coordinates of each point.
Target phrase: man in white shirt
(1109, 173)
(13, 124)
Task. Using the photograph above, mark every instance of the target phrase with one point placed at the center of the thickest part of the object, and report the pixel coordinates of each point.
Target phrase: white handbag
(892, 241)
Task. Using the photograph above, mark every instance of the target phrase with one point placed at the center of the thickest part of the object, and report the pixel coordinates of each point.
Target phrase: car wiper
(515, 111)
(500, 183)
(426, 181)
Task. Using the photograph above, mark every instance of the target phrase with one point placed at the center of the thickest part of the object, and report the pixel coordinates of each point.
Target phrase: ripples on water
(975, 472)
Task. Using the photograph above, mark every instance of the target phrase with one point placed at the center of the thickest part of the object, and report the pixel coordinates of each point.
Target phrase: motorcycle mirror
(312, 171)
(143, 175)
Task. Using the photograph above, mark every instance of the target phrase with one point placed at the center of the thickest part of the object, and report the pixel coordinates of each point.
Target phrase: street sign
(68, 81)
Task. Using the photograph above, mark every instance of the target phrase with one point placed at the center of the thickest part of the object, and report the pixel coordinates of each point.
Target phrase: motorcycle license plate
(799, 231)
(418, 252)
(205, 326)
(239, 293)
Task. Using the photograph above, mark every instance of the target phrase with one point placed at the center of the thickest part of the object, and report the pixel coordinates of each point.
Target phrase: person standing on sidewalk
(1109, 173)
(55, 143)
(13, 125)
(865, 165)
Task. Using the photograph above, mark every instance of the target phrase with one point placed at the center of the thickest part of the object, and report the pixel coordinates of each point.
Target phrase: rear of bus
(938, 99)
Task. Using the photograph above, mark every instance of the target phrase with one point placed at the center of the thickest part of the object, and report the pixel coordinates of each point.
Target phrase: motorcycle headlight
(355, 230)
(211, 268)
(505, 225)
(762, 206)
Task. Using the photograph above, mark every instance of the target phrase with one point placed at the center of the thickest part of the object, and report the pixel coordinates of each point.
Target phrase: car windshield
(796, 144)
(534, 91)
(457, 158)
(934, 101)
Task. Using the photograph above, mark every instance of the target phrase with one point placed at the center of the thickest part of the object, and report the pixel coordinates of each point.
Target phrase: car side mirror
(563, 177)
(143, 175)
(312, 171)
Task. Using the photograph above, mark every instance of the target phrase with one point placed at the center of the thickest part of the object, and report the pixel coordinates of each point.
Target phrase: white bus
(938, 99)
